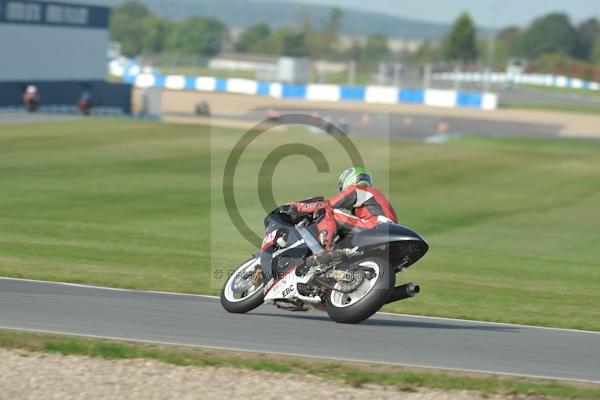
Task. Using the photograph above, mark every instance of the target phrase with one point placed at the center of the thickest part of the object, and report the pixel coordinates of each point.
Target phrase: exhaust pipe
(403, 292)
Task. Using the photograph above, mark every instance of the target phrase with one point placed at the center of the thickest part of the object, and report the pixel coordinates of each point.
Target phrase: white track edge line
(474, 321)
(83, 285)
(280, 353)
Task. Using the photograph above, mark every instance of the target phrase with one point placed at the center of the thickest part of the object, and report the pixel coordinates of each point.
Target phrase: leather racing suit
(369, 208)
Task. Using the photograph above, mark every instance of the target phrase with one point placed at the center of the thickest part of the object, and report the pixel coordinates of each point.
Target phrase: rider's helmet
(355, 176)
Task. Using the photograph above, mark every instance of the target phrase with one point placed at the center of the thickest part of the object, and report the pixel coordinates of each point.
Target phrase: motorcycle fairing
(404, 247)
(284, 288)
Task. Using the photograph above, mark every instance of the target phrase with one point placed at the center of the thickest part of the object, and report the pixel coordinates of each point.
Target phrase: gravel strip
(37, 375)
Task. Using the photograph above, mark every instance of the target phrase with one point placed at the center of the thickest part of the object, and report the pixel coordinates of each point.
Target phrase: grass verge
(355, 374)
(586, 93)
(512, 222)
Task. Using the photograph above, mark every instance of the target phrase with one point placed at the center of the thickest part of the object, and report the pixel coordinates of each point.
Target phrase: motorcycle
(85, 106)
(350, 288)
(31, 104)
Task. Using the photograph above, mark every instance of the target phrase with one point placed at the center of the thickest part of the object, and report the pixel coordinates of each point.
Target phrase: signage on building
(53, 13)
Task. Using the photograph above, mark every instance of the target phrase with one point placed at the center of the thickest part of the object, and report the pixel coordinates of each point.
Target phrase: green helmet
(355, 176)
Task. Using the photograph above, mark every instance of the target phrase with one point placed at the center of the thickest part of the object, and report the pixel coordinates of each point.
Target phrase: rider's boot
(322, 259)
(257, 276)
(326, 257)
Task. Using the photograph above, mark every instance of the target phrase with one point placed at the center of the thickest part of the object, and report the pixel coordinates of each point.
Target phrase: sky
(509, 12)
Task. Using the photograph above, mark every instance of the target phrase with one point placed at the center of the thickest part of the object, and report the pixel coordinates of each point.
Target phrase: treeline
(141, 32)
(548, 40)
(554, 34)
(320, 42)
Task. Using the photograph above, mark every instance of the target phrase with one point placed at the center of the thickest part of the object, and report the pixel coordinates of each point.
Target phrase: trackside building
(58, 46)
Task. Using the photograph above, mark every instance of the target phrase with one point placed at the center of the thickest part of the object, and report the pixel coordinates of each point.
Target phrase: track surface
(385, 338)
(10, 118)
(418, 127)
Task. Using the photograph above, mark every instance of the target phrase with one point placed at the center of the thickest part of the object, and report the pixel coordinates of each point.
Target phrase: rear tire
(245, 304)
(372, 301)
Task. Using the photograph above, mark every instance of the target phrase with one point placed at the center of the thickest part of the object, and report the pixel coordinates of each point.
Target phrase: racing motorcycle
(31, 103)
(351, 288)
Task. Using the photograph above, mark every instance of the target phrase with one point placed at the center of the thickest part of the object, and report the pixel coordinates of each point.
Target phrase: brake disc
(241, 285)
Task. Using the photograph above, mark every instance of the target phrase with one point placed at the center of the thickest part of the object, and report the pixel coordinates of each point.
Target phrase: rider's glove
(289, 209)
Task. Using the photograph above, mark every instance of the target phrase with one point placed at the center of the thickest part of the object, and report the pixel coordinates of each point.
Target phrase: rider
(369, 208)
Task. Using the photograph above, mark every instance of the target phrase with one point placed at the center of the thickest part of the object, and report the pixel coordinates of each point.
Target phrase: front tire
(248, 300)
(343, 308)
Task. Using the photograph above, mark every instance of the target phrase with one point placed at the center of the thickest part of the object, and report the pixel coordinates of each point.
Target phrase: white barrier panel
(174, 82)
(323, 92)
(206, 83)
(497, 77)
(116, 68)
(561, 81)
(243, 86)
(381, 94)
(133, 70)
(328, 92)
(440, 98)
(528, 79)
(489, 101)
(144, 80)
(275, 90)
(576, 83)
(539, 79)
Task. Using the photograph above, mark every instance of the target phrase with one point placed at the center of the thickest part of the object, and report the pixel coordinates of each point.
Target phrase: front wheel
(239, 294)
(366, 299)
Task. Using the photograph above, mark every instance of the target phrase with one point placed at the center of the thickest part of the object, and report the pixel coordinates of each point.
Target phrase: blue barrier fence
(319, 92)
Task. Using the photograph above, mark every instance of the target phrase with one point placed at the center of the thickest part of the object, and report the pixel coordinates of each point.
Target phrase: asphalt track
(385, 338)
(22, 117)
(416, 127)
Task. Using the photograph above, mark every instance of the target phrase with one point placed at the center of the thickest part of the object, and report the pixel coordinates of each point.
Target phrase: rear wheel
(366, 299)
(239, 294)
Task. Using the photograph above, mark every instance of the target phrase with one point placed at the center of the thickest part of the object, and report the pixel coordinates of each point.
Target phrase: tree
(305, 20)
(126, 27)
(253, 37)
(587, 32)
(333, 24)
(132, 10)
(154, 32)
(325, 42)
(460, 43)
(198, 35)
(294, 45)
(426, 53)
(320, 43)
(595, 52)
(506, 41)
(287, 42)
(376, 48)
(552, 33)
(354, 52)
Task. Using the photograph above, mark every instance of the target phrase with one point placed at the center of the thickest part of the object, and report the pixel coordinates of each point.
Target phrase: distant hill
(244, 13)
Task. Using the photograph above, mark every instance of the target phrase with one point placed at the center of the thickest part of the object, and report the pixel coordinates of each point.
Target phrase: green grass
(512, 223)
(341, 78)
(202, 71)
(568, 91)
(355, 374)
(570, 108)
